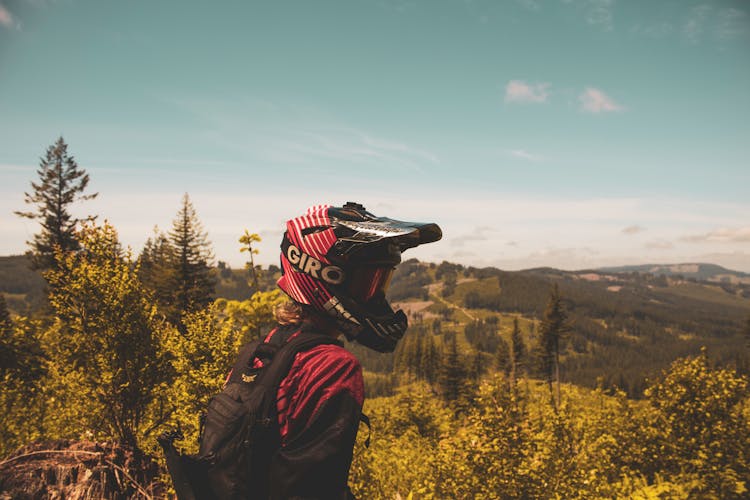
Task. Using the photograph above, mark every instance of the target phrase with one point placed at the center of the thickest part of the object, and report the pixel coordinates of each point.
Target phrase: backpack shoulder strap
(283, 359)
(244, 362)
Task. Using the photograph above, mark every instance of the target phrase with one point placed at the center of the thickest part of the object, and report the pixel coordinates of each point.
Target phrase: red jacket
(319, 404)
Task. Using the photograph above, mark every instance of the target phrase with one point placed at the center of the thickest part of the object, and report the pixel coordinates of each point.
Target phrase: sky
(566, 133)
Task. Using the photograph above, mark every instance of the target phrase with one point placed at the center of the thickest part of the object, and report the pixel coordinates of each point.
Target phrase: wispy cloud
(528, 4)
(520, 91)
(594, 100)
(633, 230)
(480, 233)
(698, 23)
(732, 23)
(6, 18)
(659, 29)
(286, 134)
(695, 25)
(524, 155)
(598, 13)
(706, 21)
(721, 235)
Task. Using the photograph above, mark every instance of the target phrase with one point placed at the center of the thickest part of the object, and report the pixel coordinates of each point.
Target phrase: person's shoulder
(333, 353)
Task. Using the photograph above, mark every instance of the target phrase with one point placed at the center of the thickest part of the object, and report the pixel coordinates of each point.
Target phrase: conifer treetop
(61, 182)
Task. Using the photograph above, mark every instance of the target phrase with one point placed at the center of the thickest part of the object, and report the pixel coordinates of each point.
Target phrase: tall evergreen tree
(61, 183)
(157, 271)
(453, 373)
(194, 284)
(518, 346)
(554, 327)
(429, 360)
(503, 356)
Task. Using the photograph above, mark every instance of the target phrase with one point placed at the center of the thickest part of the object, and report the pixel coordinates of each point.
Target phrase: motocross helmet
(339, 262)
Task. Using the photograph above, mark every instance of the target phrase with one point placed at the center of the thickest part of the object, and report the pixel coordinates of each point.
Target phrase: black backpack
(241, 431)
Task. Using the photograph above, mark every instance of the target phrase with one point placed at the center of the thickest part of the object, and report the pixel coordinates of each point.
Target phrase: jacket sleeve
(315, 456)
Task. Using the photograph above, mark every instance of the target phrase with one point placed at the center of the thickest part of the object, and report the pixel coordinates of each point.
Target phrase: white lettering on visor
(310, 265)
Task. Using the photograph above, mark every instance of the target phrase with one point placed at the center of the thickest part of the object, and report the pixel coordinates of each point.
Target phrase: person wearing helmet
(336, 265)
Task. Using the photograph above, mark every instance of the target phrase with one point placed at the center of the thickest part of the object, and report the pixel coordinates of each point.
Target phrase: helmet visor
(367, 282)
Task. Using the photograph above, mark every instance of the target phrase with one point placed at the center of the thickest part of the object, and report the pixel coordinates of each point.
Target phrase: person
(336, 265)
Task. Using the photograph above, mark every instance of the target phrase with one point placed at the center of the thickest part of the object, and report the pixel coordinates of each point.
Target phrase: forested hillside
(627, 326)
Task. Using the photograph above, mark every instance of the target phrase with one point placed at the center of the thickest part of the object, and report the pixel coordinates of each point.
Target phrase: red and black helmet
(339, 261)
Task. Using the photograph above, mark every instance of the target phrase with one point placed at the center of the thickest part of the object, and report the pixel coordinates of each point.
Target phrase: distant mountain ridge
(695, 270)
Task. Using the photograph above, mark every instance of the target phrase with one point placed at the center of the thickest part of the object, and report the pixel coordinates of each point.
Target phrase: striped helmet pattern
(300, 286)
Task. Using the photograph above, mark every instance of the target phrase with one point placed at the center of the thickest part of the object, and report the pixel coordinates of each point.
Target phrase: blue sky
(567, 133)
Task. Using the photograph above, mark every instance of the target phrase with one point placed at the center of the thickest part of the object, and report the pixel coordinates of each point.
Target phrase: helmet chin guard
(380, 328)
(339, 261)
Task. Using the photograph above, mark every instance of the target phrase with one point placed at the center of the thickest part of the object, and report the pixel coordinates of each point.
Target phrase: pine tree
(555, 326)
(518, 346)
(157, 271)
(429, 361)
(193, 281)
(452, 373)
(502, 357)
(477, 366)
(61, 183)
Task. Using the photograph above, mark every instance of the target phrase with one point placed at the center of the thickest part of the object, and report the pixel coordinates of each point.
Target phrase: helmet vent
(315, 229)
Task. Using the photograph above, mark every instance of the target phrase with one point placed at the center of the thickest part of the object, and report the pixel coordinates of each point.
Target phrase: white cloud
(6, 19)
(524, 155)
(721, 235)
(633, 230)
(594, 100)
(520, 91)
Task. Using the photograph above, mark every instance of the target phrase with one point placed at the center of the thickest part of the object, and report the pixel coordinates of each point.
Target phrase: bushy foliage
(105, 355)
(406, 431)
(514, 444)
(22, 397)
(704, 431)
(203, 354)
